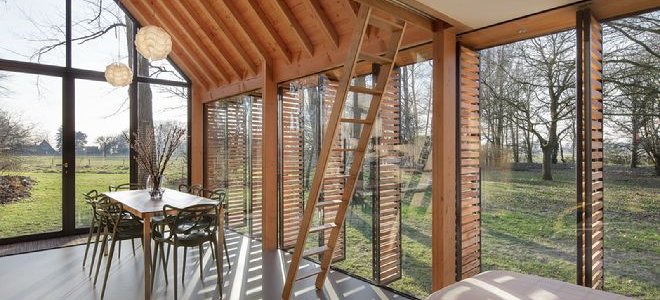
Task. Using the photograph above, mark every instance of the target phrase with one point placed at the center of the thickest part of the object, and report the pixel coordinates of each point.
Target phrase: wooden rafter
(393, 10)
(175, 26)
(326, 26)
(261, 16)
(185, 57)
(204, 36)
(297, 28)
(210, 32)
(243, 26)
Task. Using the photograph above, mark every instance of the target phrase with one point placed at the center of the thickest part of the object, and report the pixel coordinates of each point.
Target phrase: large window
(66, 126)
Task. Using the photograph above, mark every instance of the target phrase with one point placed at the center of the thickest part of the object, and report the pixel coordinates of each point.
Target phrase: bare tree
(14, 134)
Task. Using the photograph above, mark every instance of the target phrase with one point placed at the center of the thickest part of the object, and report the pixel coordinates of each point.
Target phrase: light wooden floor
(58, 274)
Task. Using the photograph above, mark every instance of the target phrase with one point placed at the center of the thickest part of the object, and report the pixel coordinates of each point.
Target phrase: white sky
(100, 108)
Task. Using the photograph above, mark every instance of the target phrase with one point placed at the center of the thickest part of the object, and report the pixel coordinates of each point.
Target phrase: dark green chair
(92, 198)
(116, 228)
(188, 227)
(125, 187)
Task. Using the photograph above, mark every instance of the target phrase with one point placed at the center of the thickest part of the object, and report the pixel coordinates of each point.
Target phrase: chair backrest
(215, 194)
(93, 198)
(191, 219)
(125, 186)
(184, 188)
(109, 212)
(195, 189)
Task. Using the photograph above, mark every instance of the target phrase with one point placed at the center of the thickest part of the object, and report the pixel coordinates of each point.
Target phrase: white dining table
(140, 204)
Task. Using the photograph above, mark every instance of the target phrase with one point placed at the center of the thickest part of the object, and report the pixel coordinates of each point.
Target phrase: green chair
(92, 198)
(188, 227)
(116, 228)
(219, 196)
(125, 187)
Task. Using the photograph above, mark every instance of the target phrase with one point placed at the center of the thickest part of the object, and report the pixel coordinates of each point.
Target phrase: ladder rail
(340, 98)
(356, 165)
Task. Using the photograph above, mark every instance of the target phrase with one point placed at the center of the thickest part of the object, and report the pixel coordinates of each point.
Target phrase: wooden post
(197, 135)
(270, 125)
(444, 156)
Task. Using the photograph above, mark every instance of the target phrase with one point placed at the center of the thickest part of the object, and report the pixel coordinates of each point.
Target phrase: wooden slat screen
(236, 164)
(469, 180)
(292, 180)
(332, 190)
(256, 174)
(590, 152)
(387, 203)
(216, 150)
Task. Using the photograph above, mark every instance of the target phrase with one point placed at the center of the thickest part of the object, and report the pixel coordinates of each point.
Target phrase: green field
(43, 211)
(528, 223)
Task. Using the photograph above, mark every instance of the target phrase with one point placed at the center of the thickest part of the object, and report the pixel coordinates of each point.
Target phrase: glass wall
(527, 102)
(30, 156)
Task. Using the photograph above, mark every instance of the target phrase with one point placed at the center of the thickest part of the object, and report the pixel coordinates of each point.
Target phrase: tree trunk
(634, 158)
(547, 162)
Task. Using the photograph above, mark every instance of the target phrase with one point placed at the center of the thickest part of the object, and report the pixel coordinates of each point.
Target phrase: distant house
(42, 148)
(89, 150)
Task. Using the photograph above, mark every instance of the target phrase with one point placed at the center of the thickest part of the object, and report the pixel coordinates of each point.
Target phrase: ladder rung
(384, 23)
(322, 227)
(364, 90)
(316, 250)
(325, 203)
(309, 272)
(375, 58)
(336, 177)
(356, 121)
(344, 149)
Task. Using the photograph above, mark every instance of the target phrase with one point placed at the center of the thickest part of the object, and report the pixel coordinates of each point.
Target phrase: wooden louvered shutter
(292, 167)
(215, 130)
(256, 174)
(332, 189)
(468, 209)
(236, 142)
(387, 203)
(590, 151)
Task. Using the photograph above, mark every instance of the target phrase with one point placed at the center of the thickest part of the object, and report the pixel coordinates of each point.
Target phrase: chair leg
(164, 261)
(154, 260)
(183, 268)
(175, 272)
(119, 251)
(133, 246)
(96, 245)
(107, 265)
(201, 263)
(218, 267)
(224, 242)
(89, 240)
(101, 253)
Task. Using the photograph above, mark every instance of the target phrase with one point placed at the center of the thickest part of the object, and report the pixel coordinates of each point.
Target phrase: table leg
(220, 247)
(147, 256)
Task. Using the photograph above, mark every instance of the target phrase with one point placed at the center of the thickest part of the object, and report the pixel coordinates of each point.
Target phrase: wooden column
(444, 156)
(197, 135)
(269, 153)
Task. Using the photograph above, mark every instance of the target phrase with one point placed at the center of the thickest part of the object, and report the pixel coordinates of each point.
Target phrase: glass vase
(154, 186)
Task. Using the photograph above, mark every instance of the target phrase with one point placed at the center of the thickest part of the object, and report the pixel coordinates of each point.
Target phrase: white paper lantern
(153, 42)
(118, 74)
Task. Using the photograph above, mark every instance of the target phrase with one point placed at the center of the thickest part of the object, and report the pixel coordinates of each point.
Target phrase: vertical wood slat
(292, 167)
(590, 152)
(333, 190)
(469, 182)
(235, 212)
(387, 205)
(256, 160)
(215, 176)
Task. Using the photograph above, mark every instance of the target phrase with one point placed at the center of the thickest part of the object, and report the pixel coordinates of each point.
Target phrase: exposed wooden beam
(443, 129)
(261, 16)
(197, 135)
(244, 27)
(185, 59)
(185, 19)
(399, 12)
(460, 26)
(234, 89)
(171, 25)
(196, 15)
(326, 26)
(297, 28)
(269, 161)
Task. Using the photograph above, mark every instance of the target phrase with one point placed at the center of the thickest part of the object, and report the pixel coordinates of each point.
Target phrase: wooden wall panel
(236, 164)
(292, 181)
(333, 189)
(468, 208)
(256, 160)
(590, 152)
(387, 205)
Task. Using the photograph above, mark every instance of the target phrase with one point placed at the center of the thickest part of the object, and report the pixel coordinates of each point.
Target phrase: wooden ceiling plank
(247, 31)
(261, 16)
(224, 31)
(205, 34)
(179, 54)
(326, 26)
(396, 11)
(297, 28)
(170, 20)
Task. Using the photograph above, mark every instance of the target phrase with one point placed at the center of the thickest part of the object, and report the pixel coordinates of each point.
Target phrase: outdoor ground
(528, 223)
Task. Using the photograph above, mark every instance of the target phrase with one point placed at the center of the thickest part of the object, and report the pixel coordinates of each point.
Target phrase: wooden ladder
(354, 53)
